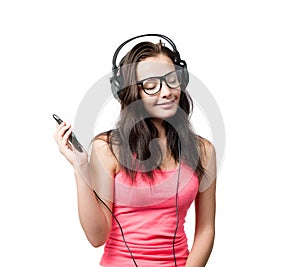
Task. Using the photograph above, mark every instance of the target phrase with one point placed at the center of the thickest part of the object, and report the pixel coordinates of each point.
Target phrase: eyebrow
(139, 81)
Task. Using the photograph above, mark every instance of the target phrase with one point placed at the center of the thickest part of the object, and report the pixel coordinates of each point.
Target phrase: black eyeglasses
(152, 85)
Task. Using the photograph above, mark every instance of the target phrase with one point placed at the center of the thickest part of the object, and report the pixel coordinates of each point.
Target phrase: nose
(165, 90)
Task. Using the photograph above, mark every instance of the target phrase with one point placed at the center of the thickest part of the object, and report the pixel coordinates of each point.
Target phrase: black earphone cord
(177, 219)
(114, 216)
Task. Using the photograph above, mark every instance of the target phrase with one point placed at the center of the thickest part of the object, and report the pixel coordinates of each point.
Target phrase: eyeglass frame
(161, 79)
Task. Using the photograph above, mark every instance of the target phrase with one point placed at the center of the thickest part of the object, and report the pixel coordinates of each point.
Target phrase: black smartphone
(72, 138)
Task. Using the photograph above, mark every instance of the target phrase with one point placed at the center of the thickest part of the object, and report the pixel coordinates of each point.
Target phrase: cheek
(147, 100)
(177, 94)
(148, 103)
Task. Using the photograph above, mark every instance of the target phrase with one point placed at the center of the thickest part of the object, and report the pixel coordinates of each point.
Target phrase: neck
(158, 123)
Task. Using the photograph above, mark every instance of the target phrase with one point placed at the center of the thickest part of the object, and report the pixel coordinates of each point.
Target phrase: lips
(166, 104)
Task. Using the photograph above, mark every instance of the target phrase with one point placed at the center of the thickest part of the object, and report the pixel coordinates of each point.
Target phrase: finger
(67, 135)
(63, 129)
(59, 134)
(64, 144)
(60, 125)
(58, 129)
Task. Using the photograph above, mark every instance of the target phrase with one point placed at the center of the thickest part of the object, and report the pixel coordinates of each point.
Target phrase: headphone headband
(114, 65)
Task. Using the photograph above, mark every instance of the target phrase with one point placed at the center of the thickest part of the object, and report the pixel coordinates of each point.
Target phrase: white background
(245, 52)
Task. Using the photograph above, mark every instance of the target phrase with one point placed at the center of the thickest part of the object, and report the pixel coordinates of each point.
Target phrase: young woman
(145, 174)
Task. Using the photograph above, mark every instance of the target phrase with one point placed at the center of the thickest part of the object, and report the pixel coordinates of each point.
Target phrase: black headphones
(117, 81)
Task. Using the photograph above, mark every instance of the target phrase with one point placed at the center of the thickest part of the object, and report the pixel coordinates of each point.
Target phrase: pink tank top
(147, 215)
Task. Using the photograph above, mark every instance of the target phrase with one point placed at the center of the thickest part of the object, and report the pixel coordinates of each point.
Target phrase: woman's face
(158, 103)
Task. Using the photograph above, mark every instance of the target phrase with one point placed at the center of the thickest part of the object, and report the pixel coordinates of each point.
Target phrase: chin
(164, 114)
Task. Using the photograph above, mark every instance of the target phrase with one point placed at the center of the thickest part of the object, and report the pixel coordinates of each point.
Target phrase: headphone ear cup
(116, 85)
(186, 77)
(185, 74)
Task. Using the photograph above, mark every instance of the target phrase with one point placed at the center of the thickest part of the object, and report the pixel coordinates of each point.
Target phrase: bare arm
(93, 218)
(205, 207)
(95, 175)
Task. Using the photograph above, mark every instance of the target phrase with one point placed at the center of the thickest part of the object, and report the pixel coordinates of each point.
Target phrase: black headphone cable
(176, 202)
(114, 216)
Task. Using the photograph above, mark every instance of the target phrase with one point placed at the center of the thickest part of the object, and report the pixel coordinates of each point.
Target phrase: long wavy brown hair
(135, 129)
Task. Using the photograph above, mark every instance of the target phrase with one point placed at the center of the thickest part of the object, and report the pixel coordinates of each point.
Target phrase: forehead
(154, 66)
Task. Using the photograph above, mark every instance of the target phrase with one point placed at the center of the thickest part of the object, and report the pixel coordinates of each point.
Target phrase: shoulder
(101, 143)
(207, 150)
(102, 150)
(208, 161)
